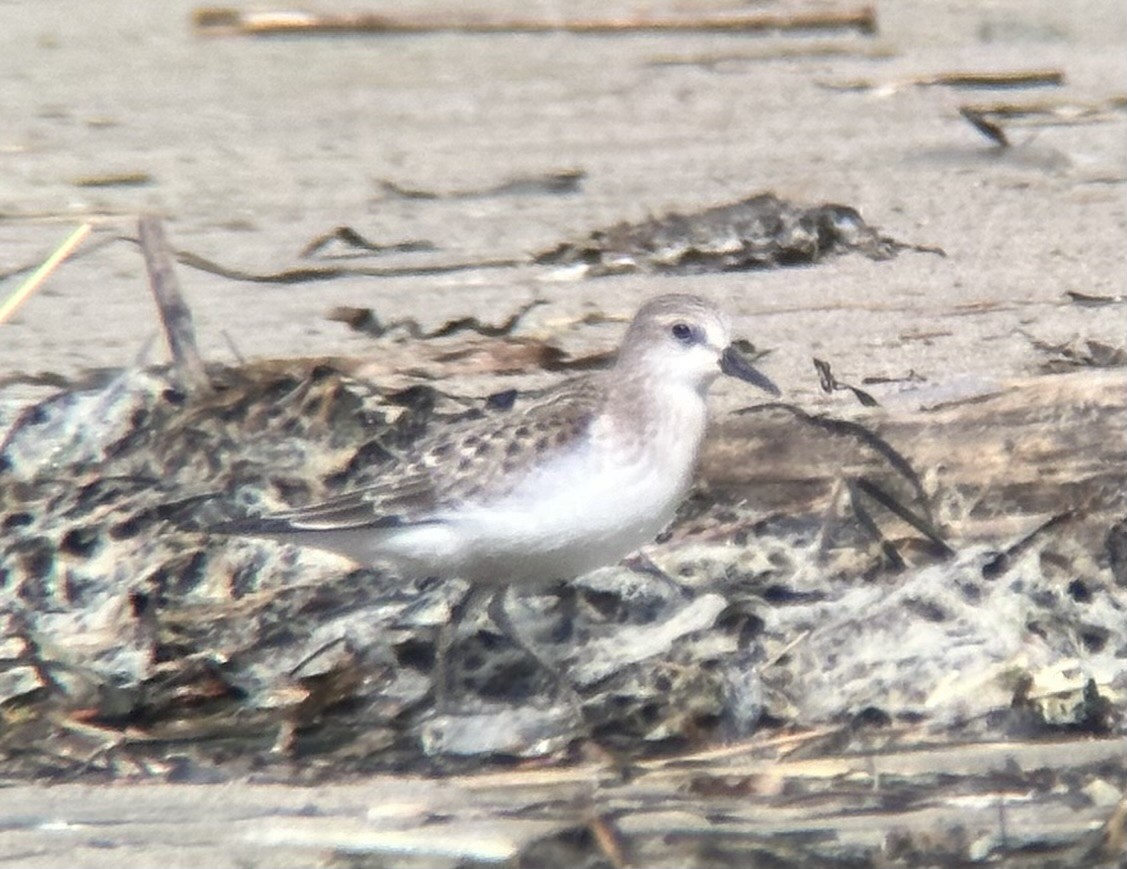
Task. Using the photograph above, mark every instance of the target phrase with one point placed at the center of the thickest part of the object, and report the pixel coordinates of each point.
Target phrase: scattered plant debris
(829, 384)
(760, 232)
(1079, 353)
(354, 241)
(365, 320)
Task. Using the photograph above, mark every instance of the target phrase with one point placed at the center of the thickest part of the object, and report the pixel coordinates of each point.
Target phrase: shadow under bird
(577, 480)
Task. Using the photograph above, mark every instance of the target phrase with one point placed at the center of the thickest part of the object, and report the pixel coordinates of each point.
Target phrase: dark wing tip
(252, 526)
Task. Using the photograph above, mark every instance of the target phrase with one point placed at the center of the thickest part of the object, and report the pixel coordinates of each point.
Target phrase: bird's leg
(473, 598)
(500, 616)
(568, 597)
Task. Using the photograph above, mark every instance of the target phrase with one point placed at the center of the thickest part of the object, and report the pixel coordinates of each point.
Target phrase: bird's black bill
(733, 364)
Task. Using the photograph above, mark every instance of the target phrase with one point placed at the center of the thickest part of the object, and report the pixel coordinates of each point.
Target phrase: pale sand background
(256, 146)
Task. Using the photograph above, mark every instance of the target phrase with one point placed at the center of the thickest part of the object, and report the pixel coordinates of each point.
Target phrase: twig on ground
(174, 311)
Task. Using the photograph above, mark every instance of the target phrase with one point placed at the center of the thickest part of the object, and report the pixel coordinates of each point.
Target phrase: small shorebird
(577, 480)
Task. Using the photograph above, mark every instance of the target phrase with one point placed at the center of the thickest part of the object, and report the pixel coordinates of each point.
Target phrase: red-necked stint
(576, 480)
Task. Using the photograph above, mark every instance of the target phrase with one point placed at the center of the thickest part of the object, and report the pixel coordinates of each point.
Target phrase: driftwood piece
(761, 231)
(1035, 448)
(223, 22)
(1054, 111)
(1004, 462)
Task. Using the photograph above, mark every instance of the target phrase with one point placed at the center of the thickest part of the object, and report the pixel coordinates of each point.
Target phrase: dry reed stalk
(43, 272)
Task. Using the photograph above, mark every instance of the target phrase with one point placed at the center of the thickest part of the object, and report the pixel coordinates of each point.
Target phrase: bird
(574, 480)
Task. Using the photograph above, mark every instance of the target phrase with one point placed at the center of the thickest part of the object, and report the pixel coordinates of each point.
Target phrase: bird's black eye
(683, 332)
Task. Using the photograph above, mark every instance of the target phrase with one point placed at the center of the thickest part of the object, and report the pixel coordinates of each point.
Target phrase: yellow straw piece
(40, 275)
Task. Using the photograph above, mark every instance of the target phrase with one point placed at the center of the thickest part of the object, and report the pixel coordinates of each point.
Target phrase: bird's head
(686, 340)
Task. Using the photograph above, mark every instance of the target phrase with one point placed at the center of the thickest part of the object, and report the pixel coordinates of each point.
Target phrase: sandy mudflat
(254, 147)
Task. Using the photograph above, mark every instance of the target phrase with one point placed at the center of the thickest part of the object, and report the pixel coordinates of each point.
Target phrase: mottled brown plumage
(462, 462)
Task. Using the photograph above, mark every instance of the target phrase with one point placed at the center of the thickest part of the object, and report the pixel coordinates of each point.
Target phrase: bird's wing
(464, 463)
